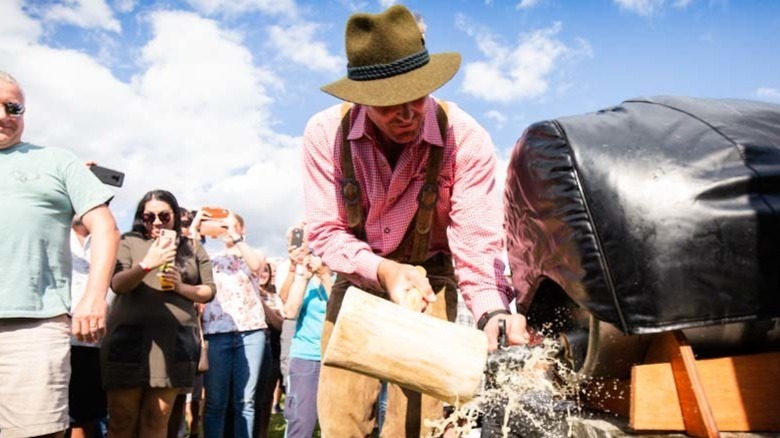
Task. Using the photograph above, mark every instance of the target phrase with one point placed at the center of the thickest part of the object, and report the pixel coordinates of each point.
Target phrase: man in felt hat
(394, 181)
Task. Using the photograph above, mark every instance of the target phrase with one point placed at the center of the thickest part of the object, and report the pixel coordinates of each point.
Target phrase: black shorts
(86, 397)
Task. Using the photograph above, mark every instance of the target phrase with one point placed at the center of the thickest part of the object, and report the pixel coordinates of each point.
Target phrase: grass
(276, 429)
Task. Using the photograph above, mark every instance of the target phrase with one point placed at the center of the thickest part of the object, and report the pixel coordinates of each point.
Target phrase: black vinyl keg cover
(657, 214)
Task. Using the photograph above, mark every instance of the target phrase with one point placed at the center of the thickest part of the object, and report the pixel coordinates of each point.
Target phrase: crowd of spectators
(147, 334)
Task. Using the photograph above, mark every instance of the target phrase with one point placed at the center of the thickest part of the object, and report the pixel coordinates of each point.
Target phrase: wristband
(144, 267)
(300, 270)
(483, 320)
(238, 240)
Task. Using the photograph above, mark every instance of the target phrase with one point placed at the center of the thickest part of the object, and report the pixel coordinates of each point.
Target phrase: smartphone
(216, 213)
(213, 228)
(108, 176)
(166, 236)
(296, 239)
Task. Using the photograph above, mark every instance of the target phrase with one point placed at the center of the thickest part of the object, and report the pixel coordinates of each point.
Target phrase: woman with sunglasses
(151, 347)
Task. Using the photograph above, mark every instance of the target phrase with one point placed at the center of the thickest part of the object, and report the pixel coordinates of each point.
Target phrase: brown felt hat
(388, 61)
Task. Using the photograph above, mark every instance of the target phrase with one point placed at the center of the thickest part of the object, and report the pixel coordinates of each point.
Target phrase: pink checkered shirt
(468, 217)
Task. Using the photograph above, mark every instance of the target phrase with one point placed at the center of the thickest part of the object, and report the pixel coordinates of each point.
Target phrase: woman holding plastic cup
(151, 347)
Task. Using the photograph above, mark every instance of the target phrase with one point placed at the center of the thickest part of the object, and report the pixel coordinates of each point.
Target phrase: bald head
(11, 111)
(8, 78)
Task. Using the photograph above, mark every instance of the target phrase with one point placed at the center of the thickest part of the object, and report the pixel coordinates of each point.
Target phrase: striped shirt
(467, 220)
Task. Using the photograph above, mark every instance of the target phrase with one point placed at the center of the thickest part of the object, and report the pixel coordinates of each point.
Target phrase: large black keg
(657, 214)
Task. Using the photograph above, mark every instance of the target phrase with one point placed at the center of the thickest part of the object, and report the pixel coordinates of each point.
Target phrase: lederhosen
(413, 249)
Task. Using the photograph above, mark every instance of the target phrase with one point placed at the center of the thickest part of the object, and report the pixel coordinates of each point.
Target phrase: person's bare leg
(177, 414)
(124, 406)
(277, 393)
(84, 430)
(195, 411)
(156, 408)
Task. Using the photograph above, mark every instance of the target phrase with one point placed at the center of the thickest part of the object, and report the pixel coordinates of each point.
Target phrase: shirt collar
(361, 126)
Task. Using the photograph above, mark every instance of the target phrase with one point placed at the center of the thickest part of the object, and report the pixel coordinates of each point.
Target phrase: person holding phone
(234, 324)
(209, 221)
(305, 301)
(151, 347)
(296, 239)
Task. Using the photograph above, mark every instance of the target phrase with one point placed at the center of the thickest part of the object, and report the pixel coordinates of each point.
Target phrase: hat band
(382, 71)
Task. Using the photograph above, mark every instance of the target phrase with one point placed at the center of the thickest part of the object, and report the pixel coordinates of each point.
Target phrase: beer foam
(528, 392)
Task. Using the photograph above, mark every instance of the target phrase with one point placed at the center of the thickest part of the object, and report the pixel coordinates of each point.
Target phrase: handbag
(203, 361)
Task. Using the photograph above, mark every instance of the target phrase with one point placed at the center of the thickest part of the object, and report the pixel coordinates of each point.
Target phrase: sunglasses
(13, 109)
(164, 217)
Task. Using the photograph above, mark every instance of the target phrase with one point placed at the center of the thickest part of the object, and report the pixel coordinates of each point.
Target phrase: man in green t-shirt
(41, 189)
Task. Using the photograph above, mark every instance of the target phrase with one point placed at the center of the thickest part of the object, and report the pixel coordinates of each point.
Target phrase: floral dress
(236, 306)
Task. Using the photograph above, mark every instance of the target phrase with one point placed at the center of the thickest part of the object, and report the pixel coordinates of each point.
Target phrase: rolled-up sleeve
(476, 232)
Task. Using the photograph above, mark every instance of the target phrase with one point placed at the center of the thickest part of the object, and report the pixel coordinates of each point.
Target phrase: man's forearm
(105, 242)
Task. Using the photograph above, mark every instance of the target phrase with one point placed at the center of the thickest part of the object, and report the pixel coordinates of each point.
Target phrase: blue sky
(208, 98)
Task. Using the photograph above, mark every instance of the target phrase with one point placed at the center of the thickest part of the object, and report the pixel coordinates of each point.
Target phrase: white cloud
(195, 120)
(648, 8)
(527, 4)
(16, 27)
(384, 4)
(768, 93)
(84, 13)
(236, 7)
(297, 43)
(644, 8)
(516, 72)
(124, 6)
(497, 117)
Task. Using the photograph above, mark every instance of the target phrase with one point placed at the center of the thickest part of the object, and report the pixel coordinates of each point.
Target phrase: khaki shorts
(34, 376)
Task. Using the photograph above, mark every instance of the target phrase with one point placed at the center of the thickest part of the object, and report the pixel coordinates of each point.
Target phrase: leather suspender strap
(350, 189)
(429, 193)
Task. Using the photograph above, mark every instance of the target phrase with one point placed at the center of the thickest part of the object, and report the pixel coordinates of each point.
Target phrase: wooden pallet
(673, 391)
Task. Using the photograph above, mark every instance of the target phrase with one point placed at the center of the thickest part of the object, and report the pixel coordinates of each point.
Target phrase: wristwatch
(238, 239)
(488, 316)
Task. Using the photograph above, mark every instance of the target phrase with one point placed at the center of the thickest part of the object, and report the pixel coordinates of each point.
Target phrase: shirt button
(387, 230)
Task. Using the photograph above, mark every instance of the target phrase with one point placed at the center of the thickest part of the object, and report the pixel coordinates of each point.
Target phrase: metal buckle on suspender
(426, 200)
(350, 191)
(429, 196)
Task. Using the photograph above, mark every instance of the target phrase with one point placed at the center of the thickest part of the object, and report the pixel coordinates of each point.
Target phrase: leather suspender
(420, 228)
(350, 189)
(429, 194)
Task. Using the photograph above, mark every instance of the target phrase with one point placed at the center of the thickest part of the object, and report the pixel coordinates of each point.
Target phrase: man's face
(11, 127)
(399, 123)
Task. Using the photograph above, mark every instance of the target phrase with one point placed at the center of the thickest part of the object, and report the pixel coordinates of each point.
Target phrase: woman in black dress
(151, 347)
